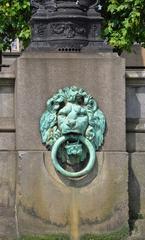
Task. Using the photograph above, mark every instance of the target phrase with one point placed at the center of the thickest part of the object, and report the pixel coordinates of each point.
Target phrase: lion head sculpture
(72, 111)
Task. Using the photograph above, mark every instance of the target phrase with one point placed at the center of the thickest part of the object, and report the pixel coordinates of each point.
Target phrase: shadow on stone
(134, 197)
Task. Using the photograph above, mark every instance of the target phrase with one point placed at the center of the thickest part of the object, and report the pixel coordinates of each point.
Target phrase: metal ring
(66, 173)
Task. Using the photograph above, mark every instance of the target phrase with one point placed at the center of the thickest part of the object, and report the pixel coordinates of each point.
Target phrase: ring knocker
(66, 173)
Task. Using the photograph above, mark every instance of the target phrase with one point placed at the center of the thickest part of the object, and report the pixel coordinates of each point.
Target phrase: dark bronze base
(66, 27)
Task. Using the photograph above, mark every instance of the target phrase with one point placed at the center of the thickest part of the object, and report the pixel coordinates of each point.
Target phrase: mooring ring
(66, 173)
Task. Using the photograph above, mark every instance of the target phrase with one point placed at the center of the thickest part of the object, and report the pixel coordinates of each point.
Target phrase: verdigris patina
(73, 128)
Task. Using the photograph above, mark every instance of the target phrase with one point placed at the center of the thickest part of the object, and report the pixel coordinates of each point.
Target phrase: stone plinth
(46, 202)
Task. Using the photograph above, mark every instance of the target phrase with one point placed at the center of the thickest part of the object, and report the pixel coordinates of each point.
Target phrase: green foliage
(118, 235)
(124, 22)
(14, 16)
(46, 237)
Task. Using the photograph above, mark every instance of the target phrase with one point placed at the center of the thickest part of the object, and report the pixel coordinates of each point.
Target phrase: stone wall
(135, 93)
(8, 165)
(25, 186)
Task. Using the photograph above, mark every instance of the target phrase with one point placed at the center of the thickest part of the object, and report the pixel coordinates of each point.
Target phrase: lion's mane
(48, 123)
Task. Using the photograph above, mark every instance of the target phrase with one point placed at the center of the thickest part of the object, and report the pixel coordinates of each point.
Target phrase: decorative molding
(135, 125)
(68, 30)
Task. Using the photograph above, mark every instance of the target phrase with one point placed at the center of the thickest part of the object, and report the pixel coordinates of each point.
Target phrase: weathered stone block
(40, 75)
(136, 57)
(7, 195)
(42, 201)
(7, 141)
(139, 230)
(7, 226)
(135, 125)
(7, 223)
(7, 124)
(104, 204)
(135, 142)
(7, 178)
(135, 102)
(49, 203)
(137, 191)
(6, 101)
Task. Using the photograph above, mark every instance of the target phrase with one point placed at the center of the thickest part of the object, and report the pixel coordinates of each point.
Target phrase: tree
(14, 17)
(124, 22)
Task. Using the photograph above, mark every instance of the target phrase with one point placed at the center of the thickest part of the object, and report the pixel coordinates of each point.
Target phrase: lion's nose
(71, 123)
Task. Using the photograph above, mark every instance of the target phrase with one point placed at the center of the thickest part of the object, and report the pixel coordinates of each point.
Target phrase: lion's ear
(100, 125)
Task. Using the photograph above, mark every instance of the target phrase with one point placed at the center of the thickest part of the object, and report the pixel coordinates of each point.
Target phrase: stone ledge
(7, 75)
(135, 125)
(135, 142)
(135, 78)
(135, 74)
(57, 55)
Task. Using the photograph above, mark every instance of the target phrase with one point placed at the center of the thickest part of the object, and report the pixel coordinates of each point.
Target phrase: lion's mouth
(73, 149)
(73, 139)
(73, 136)
(71, 131)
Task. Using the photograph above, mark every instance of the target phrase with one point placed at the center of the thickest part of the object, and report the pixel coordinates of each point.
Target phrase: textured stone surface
(40, 75)
(139, 230)
(7, 178)
(6, 101)
(7, 223)
(48, 203)
(7, 194)
(7, 124)
(135, 102)
(7, 141)
(135, 142)
(42, 201)
(138, 184)
(105, 201)
(136, 57)
(135, 125)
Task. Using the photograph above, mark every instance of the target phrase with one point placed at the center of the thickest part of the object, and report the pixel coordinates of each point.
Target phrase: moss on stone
(121, 234)
(46, 237)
